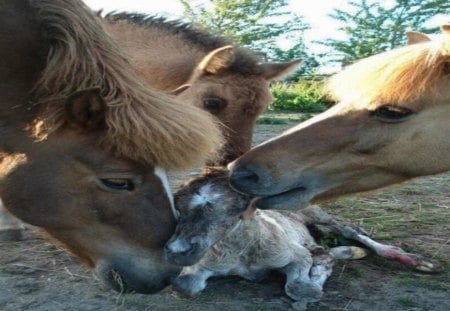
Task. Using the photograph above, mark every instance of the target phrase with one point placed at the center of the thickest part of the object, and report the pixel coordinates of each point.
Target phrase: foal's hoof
(423, 265)
(308, 292)
(13, 235)
(187, 285)
(413, 261)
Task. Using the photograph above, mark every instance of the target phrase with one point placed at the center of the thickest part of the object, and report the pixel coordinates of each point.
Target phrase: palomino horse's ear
(180, 89)
(86, 109)
(272, 71)
(416, 37)
(217, 60)
(446, 29)
(446, 49)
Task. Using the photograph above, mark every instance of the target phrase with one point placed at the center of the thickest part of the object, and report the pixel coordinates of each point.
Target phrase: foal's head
(207, 208)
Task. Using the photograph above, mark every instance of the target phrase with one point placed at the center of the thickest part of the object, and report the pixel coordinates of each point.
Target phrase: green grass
(303, 96)
(406, 301)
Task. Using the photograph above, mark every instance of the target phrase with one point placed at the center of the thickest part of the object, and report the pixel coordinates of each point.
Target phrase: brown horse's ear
(272, 71)
(86, 109)
(416, 37)
(180, 89)
(217, 60)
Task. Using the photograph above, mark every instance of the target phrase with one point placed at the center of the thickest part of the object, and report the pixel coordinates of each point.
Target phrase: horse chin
(293, 199)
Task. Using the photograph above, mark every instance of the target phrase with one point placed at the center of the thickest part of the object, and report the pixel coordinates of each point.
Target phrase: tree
(261, 25)
(376, 26)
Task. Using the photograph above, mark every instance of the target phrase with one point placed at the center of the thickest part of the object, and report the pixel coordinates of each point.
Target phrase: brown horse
(206, 71)
(85, 143)
(390, 125)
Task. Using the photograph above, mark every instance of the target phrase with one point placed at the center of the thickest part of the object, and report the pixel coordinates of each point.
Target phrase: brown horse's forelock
(245, 62)
(142, 124)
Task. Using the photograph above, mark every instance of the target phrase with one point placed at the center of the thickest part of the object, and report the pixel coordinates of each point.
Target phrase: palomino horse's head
(390, 125)
(231, 85)
(84, 143)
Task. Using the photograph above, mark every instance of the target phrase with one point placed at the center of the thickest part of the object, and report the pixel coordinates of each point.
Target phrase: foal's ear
(272, 71)
(217, 60)
(416, 37)
(86, 109)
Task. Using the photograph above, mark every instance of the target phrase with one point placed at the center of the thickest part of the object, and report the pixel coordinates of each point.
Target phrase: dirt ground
(35, 275)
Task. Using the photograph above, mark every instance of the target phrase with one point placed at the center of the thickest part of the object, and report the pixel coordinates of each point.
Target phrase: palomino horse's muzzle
(251, 180)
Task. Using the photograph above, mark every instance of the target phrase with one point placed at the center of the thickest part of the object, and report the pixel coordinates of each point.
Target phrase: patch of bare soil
(35, 275)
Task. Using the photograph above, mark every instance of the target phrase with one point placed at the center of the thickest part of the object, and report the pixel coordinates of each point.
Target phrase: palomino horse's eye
(118, 184)
(391, 113)
(214, 104)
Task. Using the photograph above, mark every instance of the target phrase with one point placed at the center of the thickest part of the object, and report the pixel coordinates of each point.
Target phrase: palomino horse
(85, 143)
(228, 81)
(390, 125)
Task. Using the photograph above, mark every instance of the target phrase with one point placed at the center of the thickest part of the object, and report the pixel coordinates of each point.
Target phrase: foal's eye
(391, 113)
(214, 104)
(120, 184)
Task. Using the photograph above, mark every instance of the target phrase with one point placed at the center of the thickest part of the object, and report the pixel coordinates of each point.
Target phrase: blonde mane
(398, 76)
(142, 124)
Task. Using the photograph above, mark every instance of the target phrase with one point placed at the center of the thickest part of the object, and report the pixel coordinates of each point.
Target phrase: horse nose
(125, 276)
(247, 179)
(183, 253)
(177, 246)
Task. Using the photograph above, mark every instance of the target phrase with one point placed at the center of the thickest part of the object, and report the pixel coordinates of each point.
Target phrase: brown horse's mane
(399, 76)
(245, 63)
(142, 124)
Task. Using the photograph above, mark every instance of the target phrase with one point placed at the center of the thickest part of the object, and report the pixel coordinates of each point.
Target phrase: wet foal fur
(85, 143)
(212, 239)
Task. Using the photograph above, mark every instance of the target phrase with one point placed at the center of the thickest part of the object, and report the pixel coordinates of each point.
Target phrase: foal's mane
(142, 124)
(245, 63)
(399, 76)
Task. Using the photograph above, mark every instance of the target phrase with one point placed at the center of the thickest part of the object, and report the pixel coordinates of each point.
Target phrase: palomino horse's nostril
(245, 174)
(245, 179)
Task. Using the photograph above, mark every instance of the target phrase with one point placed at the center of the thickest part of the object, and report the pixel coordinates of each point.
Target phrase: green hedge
(303, 96)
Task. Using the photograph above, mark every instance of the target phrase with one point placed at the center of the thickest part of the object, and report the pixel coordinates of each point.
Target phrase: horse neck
(164, 59)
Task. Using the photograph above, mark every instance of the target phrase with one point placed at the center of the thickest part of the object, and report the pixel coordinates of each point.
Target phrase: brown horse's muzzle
(128, 274)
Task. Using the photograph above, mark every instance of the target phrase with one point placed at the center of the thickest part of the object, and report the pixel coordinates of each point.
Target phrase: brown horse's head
(85, 144)
(232, 86)
(205, 71)
(390, 125)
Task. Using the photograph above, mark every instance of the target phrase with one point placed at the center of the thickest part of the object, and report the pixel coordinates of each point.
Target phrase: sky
(315, 13)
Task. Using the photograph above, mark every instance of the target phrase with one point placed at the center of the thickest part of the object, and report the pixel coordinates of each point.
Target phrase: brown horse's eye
(214, 104)
(391, 113)
(118, 184)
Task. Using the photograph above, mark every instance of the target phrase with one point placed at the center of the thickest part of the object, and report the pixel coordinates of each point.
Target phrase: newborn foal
(212, 239)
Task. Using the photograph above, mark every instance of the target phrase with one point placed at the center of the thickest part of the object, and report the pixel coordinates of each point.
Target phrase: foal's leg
(192, 280)
(315, 215)
(299, 285)
(390, 252)
(11, 228)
